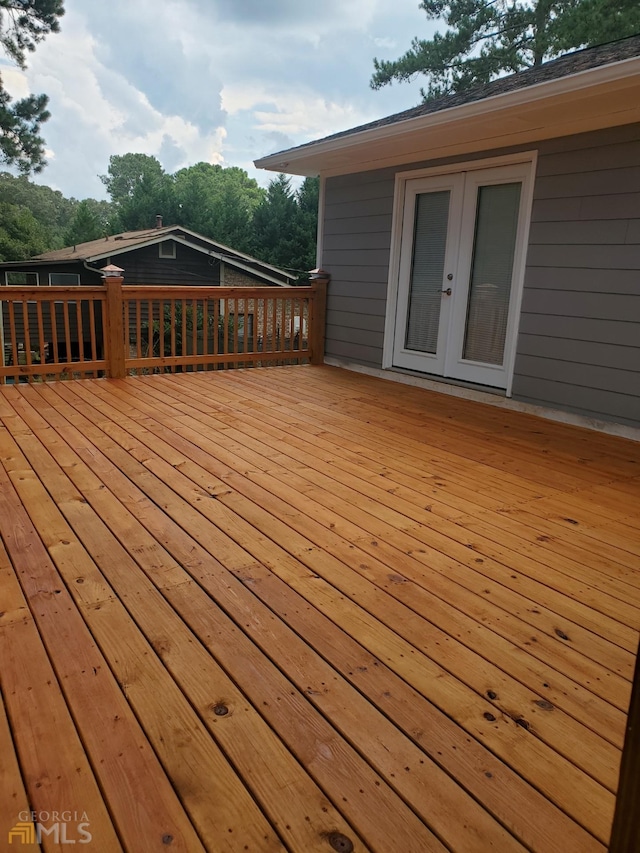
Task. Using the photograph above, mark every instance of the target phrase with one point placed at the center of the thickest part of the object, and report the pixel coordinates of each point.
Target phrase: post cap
(111, 271)
(319, 273)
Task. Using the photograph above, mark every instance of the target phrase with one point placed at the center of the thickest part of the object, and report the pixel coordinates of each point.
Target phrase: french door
(461, 256)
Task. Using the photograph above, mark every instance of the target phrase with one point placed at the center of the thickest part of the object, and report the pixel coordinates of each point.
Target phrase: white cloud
(307, 117)
(14, 81)
(290, 111)
(387, 44)
(225, 81)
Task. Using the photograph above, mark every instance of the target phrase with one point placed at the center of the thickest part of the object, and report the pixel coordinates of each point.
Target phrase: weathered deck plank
(417, 646)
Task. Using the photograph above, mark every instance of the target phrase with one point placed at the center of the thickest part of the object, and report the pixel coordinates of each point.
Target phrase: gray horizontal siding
(601, 405)
(597, 306)
(367, 289)
(344, 319)
(353, 305)
(586, 280)
(601, 182)
(602, 231)
(585, 256)
(623, 155)
(380, 224)
(580, 329)
(579, 336)
(370, 241)
(356, 251)
(369, 356)
(583, 353)
(594, 376)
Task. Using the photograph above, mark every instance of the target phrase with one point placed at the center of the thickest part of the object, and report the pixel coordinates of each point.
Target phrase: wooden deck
(301, 609)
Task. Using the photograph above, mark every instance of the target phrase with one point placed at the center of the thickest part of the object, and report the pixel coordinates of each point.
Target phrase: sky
(220, 81)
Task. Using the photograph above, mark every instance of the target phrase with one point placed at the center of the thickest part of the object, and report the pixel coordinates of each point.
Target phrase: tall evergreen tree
(307, 224)
(274, 224)
(84, 226)
(486, 38)
(285, 225)
(24, 23)
(218, 202)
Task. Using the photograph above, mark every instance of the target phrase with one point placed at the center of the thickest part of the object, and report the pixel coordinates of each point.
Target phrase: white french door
(461, 259)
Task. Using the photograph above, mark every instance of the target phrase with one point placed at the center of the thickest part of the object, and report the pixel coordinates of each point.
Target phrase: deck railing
(115, 330)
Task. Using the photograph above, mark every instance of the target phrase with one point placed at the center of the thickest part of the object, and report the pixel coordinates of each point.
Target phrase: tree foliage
(486, 38)
(86, 225)
(277, 225)
(21, 235)
(24, 23)
(139, 189)
(49, 207)
(218, 203)
(285, 225)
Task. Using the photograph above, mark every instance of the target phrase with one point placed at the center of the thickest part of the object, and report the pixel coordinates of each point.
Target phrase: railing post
(319, 282)
(115, 354)
(626, 820)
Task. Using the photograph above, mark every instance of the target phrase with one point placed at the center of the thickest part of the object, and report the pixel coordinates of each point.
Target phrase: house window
(167, 249)
(64, 279)
(21, 279)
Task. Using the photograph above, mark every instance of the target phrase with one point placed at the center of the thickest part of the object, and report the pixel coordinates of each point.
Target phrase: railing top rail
(214, 291)
(13, 291)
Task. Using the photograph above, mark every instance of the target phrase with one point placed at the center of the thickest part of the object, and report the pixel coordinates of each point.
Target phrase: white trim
(524, 158)
(320, 232)
(470, 165)
(570, 83)
(21, 272)
(76, 275)
(517, 291)
(496, 400)
(170, 255)
(397, 222)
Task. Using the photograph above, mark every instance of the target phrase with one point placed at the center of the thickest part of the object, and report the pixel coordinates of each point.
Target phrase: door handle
(447, 291)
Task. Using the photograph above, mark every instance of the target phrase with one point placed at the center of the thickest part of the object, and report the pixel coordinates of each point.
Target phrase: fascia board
(614, 72)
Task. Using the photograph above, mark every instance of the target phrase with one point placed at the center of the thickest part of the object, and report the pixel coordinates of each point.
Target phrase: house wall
(189, 267)
(579, 336)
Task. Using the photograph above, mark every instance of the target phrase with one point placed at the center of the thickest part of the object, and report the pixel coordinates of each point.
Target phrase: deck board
(418, 615)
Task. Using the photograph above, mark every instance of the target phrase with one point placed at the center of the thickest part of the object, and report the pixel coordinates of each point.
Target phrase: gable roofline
(120, 244)
(615, 65)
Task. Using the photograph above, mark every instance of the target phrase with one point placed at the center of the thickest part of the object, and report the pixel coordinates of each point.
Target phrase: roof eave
(311, 155)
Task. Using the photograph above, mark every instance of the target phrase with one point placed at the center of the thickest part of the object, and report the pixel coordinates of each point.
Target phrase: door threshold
(447, 381)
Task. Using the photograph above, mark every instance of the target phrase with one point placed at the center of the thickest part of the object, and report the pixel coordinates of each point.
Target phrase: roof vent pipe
(158, 221)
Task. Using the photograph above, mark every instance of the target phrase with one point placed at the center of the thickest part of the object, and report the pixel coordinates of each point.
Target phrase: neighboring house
(491, 239)
(164, 255)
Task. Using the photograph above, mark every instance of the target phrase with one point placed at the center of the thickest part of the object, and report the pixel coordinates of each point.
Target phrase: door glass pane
(491, 272)
(427, 269)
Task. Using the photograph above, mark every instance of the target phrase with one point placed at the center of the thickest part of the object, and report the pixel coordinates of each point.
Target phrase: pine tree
(487, 38)
(24, 23)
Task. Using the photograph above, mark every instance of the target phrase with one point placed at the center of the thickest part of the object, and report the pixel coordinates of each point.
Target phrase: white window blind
(491, 272)
(427, 270)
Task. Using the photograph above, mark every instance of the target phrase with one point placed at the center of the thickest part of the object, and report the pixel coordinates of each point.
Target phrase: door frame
(524, 158)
